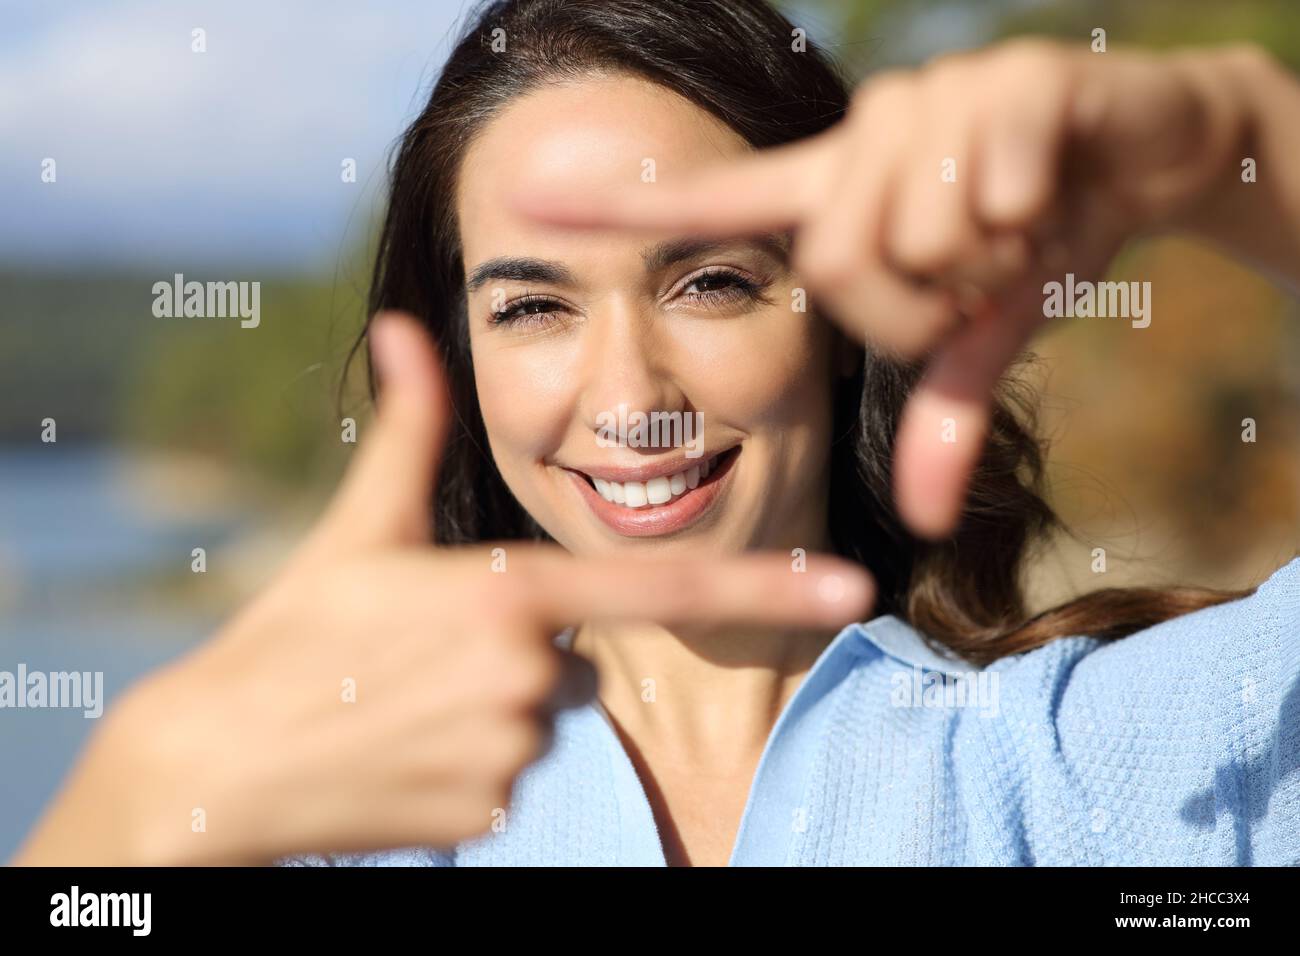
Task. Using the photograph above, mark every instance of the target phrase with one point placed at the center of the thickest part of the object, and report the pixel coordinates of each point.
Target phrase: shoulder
(1252, 640)
(1228, 662)
(1189, 729)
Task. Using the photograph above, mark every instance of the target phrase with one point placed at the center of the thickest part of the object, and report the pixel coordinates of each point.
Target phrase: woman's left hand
(929, 220)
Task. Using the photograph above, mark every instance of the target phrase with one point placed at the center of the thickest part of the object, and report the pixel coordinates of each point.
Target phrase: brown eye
(535, 310)
(721, 286)
(716, 281)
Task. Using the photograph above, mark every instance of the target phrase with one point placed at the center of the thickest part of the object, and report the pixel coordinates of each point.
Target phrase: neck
(697, 696)
(700, 695)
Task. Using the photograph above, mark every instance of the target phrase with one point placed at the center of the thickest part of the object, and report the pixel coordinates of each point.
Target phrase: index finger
(945, 424)
(758, 589)
(770, 189)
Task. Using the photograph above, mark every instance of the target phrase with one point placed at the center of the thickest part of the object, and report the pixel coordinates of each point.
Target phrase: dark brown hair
(735, 59)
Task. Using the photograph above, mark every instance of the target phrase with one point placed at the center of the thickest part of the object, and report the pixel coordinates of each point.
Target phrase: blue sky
(168, 157)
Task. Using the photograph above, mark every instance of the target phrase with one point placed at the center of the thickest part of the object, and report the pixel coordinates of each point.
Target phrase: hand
(456, 676)
(928, 221)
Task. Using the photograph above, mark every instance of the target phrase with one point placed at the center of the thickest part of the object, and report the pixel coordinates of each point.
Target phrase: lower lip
(663, 519)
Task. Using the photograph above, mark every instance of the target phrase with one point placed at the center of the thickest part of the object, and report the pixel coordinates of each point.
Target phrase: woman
(620, 206)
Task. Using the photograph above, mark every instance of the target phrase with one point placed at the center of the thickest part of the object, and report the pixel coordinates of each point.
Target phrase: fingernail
(831, 589)
(841, 593)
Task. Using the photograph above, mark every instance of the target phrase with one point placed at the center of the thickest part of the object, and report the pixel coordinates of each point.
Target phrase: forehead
(599, 133)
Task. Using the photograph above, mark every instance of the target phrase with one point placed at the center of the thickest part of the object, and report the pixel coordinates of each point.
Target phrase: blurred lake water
(85, 562)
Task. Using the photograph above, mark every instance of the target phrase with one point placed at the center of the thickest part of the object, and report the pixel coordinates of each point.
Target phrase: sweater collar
(895, 637)
(888, 633)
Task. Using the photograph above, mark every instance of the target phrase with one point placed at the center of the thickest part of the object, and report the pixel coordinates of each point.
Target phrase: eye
(528, 311)
(721, 287)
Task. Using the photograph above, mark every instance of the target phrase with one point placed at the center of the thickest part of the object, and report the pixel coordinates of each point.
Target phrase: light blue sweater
(1176, 745)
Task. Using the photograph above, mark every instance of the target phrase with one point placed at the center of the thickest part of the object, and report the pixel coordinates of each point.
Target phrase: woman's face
(575, 333)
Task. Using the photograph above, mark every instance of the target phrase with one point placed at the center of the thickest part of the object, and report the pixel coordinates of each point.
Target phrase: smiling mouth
(665, 490)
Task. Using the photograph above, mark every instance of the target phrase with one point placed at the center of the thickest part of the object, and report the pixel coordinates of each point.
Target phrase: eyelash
(741, 287)
(514, 314)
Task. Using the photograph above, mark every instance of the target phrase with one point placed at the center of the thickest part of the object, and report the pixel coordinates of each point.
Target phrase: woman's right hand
(382, 692)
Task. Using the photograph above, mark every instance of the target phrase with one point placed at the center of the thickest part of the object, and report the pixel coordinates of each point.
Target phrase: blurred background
(177, 434)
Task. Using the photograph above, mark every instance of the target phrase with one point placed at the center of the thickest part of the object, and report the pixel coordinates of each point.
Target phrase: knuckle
(888, 87)
(931, 311)
(1030, 53)
(1034, 65)
(925, 250)
(531, 677)
(827, 266)
(948, 69)
(1251, 54)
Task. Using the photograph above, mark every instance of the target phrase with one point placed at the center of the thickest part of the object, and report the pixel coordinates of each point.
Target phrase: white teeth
(656, 491)
(635, 492)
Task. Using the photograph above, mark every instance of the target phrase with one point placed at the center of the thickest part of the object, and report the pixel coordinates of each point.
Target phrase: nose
(627, 367)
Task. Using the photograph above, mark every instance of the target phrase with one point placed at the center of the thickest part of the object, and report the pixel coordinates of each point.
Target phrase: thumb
(385, 496)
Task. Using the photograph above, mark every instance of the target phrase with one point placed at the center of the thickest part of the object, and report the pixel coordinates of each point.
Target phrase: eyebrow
(518, 269)
(656, 259)
(665, 254)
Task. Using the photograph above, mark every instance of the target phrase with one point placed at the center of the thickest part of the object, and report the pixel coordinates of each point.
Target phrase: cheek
(526, 401)
(772, 371)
